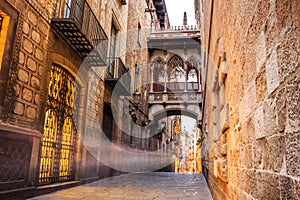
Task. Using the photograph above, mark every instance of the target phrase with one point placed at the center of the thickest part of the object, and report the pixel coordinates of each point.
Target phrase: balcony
(117, 76)
(175, 92)
(175, 86)
(81, 29)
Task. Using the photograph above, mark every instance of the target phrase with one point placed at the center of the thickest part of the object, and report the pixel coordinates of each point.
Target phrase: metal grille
(57, 154)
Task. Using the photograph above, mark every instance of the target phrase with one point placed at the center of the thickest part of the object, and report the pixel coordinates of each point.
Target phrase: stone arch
(159, 111)
(158, 70)
(175, 64)
(175, 60)
(64, 106)
(69, 66)
(158, 58)
(193, 61)
(81, 79)
(192, 73)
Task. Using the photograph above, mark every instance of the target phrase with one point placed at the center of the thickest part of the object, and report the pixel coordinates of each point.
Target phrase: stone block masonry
(32, 54)
(262, 44)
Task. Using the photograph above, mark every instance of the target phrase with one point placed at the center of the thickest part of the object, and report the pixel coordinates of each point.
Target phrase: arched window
(193, 74)
(158, 70)
(176, 74)
(57, 153)
(158, 75)
(174, 63)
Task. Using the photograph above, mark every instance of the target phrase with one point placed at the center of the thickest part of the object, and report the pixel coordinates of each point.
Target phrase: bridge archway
(158, 111)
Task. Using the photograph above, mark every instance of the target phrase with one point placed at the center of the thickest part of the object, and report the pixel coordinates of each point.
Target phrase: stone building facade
(251, 97)
(60, 62)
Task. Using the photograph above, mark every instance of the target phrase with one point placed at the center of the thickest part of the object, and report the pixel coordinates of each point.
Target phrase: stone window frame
(173, 62)
(158, 70)
(1, 22)
(8, 55)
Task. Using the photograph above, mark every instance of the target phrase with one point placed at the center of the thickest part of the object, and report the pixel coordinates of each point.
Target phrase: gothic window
(158, 75)
(158, 71)
(58, 143)
(175, 62)
(176, 74)
(193, 74)
(161, 75)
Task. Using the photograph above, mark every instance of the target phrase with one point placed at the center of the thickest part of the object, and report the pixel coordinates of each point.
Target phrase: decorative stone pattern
(31, 57)
(262, 42)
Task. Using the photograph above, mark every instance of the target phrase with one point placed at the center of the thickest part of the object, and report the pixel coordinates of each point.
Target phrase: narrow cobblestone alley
(154, 185)
(150, 99)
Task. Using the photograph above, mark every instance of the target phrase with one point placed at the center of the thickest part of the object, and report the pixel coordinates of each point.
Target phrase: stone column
(165, 77)
(186, 77)
(151, 76)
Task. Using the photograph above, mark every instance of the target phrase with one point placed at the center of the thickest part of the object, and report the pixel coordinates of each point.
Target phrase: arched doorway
(59, 138)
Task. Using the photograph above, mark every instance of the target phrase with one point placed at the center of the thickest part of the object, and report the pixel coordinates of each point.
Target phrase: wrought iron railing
(79, 25)
(117, 76)
(116, 68)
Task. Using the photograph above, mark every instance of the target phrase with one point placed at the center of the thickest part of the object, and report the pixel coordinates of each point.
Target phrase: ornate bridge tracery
(175, 87)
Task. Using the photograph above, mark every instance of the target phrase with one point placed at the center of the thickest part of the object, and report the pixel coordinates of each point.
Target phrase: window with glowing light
(1, 22)
(4, 22)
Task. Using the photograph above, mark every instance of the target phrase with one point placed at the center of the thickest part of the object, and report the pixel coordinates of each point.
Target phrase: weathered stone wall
(21, 119)
(138, 29)
(23, 104)
(35, 47)
(256, 154)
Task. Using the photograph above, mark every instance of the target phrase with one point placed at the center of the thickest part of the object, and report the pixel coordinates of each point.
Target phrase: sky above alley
(176, 8)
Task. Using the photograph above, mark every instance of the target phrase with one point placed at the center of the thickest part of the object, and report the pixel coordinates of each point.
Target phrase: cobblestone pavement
(154, 185)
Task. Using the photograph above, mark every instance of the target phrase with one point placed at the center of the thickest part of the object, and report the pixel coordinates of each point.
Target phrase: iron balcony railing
(78, 24)
(117, 74)
(116, 68)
